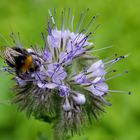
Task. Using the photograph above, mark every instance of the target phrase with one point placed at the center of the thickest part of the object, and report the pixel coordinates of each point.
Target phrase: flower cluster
(63, 83)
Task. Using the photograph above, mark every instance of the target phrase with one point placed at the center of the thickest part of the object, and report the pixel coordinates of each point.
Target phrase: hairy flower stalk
(62, 83)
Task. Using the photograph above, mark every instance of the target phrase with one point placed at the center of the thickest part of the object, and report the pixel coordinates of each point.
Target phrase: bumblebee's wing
(2, 51)
(9, 55)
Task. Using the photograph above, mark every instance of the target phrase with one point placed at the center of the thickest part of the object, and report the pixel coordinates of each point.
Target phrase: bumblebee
(22, 60)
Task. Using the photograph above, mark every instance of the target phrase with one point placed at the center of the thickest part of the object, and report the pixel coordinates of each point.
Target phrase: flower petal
(95, 66)
(47, 85)
(98, 89)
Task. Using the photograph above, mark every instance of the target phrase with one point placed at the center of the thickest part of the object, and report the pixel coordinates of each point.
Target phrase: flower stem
(57, 135)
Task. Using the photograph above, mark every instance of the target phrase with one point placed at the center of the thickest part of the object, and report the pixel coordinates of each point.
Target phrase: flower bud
(79, 98)
(66, 105)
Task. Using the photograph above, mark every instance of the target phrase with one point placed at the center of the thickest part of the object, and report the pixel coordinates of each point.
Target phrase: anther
(114, 70)
(122, 56)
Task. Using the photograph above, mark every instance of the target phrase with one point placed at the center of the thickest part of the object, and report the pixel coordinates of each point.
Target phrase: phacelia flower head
(62, 83)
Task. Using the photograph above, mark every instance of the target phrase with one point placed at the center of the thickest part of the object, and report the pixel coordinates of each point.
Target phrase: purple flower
(54, 39)
(62, 81)
(64, 91)
(65, 45)
(56, 73)
(94, 79)
(97, 69)
(98, 89)
(81, 79)
(47, 55)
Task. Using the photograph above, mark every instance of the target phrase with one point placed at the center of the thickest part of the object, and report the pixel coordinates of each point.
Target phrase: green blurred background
(120, 27)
